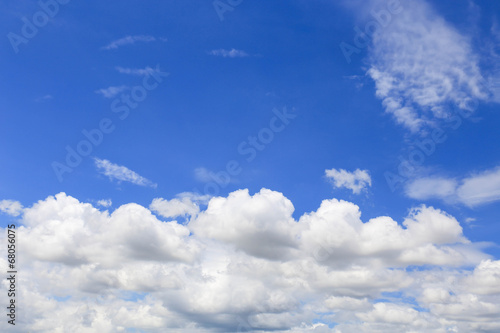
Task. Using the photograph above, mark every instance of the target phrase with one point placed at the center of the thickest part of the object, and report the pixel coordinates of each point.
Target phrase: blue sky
(191, 100)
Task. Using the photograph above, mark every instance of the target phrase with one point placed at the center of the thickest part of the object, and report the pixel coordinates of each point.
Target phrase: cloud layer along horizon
(245, 264)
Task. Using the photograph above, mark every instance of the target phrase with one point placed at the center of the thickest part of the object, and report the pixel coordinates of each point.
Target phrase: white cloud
(233, 53)
(105, 203)
(203, 175)
(422, 66)
(480, 188)
(431, 187)
(136, 71)
(112, 91)
(129, 40)
(10, 207)
(336, 234)
(347, 303)
(195, 197)
(356, 181)
(44, 98)
(244, 223)
(477, 189)
(121, 173)
(244, 263)
(175, 207)
(83, 235)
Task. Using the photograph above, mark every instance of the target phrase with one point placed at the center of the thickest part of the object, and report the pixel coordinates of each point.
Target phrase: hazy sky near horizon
(238, 166)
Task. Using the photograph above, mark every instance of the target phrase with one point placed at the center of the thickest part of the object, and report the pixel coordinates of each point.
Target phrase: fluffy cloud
(356, 181)
(121, 173)
(422, 66)
(83, 235)
(243, 221)
(175, 207)
(105, 203)
(10, 207)
(477, 189)
(245, 264)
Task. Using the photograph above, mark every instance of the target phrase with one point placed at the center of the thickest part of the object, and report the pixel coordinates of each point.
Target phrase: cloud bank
(244, 264)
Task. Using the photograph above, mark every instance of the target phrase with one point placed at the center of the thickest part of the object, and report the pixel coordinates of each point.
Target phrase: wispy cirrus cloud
(136, 71)
(232, 53)
(121, 173)
(111, 91)
(422, 66)
(129, 40)
(44, 98)
(203, 175)
(477, 189)
(356, 181)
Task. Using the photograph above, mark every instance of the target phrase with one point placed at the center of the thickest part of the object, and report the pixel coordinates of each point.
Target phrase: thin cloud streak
(121, 173)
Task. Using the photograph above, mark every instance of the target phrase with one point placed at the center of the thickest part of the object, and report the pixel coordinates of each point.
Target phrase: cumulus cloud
(245, 264)
(244, 223)
(10, 207)
(121, 173)
(83, 235)
(422, 66)
(233, 53)
(174, 207)
(474, 190)
(356, 181)
(130, 40)
(105, 203)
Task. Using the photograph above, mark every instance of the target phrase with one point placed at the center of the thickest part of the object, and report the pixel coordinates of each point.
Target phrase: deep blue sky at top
(208, 105)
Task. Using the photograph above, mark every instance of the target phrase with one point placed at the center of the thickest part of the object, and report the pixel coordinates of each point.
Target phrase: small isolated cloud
(129, 40)
(233, 53)
(203, 175)
(356, 181)
(44, 98)
(10, 207)
(111, 92)
(121, 173)
(105, 203)
(136, 71)
(481, 188)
